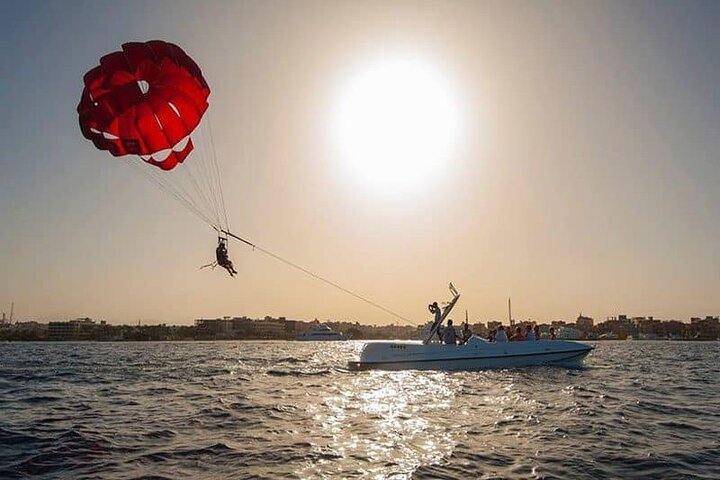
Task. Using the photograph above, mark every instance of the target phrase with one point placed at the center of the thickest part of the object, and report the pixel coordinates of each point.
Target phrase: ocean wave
(298, 373)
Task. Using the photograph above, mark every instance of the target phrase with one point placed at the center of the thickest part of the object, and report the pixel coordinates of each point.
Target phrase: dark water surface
(292, 410)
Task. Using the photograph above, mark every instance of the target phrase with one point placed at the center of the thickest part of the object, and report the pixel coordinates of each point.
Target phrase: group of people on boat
(449, 336)
(531, 333)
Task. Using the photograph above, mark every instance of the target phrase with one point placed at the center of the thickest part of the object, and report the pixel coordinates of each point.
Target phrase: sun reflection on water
(394, 421)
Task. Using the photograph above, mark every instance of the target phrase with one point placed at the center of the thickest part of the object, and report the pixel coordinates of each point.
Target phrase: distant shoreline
(210, 340)
(619, 328)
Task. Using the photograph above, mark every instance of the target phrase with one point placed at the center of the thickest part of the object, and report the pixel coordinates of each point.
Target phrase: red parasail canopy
(145, 100)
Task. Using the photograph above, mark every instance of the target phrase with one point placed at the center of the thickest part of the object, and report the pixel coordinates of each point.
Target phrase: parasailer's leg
(227, 265)
(230, 270)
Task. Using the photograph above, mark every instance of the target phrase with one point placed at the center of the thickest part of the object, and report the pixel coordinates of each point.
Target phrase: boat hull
(477, 354)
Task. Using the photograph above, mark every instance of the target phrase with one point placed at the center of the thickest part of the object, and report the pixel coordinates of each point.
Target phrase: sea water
(293, 410)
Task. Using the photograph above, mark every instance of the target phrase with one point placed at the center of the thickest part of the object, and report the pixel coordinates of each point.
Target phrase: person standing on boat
(449, 335)
(437, 311)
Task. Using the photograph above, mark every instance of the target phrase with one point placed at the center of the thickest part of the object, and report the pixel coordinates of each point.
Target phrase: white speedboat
(321, 332)
(476, 354)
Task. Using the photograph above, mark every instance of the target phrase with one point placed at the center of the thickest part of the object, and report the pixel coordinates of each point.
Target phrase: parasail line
(170, 191)
(316, 276)
(217, 171)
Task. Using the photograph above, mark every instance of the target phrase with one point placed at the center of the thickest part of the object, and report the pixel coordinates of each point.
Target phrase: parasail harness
(221, 257)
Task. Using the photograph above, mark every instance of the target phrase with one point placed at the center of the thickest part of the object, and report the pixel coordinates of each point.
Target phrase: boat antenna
(510, 319)
(316, 276)
(12, 310)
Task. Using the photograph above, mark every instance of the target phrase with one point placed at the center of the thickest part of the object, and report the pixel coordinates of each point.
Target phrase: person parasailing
(147, 103)
(221, 255)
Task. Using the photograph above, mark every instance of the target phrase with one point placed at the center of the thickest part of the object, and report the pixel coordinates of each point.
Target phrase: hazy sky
(583, 175)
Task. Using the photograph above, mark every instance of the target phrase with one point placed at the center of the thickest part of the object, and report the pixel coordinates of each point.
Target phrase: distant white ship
(321, 332)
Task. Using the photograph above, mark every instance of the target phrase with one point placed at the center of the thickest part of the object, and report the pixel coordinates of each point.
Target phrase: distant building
(558, 324)
(493, 324)
(584, 323)
(270, 328)
(79, 329)
(30, 327)
(648, 328)
(240, 324)
(215, 326)
(479, 329)
(706, 328)
(619, 327)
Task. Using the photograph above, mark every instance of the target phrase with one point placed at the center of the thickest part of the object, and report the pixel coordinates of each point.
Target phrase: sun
(396, 123)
